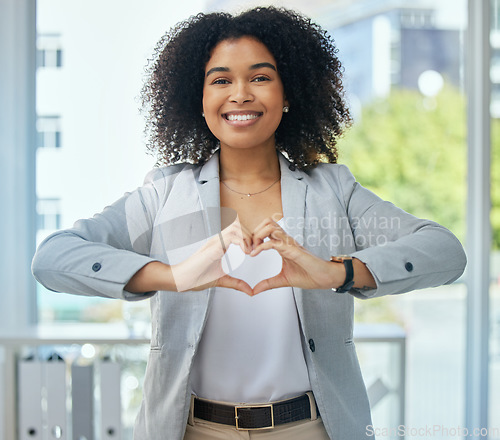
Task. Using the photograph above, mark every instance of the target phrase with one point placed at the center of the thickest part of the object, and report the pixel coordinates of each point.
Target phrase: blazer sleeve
(98, 256)
(401, 251)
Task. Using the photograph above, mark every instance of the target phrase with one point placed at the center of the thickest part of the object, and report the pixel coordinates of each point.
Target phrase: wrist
(336, 274)
(347, 282)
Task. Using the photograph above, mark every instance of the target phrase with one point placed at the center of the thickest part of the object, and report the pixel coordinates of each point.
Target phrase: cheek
(277, 98)
(211, 107)
(211, 123)
(211, 117)
(278, 101)
(204, 101)
(207, 98)
(208, 107)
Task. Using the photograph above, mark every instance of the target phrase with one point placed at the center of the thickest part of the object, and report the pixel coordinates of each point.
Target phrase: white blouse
(251, 349)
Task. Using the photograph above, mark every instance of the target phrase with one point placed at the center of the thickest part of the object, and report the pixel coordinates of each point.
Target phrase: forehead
(243, 50)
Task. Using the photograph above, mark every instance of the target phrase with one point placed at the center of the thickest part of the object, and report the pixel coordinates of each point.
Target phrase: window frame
(478, 88)
(18, 195)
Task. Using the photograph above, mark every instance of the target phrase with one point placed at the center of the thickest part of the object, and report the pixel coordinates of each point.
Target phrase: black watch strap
(349, 274)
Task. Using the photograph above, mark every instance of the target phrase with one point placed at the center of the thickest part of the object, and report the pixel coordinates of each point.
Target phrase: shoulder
(332, 171)
(332, 176)
(168, 171)
(162, 177)
(159, 181)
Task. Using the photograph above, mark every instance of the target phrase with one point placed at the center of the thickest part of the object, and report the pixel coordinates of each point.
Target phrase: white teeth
(241, 117)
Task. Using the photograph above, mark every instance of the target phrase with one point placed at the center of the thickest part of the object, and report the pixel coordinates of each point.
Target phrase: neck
(248, 165)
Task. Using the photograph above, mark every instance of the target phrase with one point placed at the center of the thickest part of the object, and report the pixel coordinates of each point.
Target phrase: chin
(244, 144)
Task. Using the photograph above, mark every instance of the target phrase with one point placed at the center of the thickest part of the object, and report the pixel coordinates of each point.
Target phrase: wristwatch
(349, 273)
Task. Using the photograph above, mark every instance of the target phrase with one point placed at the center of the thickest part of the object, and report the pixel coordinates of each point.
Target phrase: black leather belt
(253, 417)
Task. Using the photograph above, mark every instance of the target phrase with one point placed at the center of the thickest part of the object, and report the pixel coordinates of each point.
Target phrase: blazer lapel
(209, 193)
(293, 198)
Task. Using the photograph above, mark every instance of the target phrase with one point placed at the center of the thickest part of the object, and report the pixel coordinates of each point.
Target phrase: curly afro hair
(307, 64)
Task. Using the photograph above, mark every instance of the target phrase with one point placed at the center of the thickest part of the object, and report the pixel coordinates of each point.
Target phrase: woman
(243, 251)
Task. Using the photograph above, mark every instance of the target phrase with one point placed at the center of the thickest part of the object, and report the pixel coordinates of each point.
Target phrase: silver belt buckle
(269, 405)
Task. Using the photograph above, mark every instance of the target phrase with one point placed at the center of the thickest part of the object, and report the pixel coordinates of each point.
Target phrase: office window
(447, 306)
(49, 51)
(404, 75)
(90, 132)
(417, 18)
(48, 214)
(48, 131)
(495, 73)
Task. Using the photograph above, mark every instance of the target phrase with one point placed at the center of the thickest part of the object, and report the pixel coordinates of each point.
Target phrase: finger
(238, 226)
(287, 248)
(265, 245)
(270, 283)
(277, 236)
(245, 243)
(272, 231)
(267, 221)
(262, 230)
(237, 236)
(234, 283)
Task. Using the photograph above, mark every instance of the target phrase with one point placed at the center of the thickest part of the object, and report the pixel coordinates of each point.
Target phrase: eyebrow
(252, 67)
(259, 65)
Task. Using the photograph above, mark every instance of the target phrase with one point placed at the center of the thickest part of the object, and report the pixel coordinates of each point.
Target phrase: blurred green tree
(411, 150)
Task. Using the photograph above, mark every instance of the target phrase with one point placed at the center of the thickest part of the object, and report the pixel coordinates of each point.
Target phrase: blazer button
(409, 266)
(96, 267)
(292, 167)
(311, 345)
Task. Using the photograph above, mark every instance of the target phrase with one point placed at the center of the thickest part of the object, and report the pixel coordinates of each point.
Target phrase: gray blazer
(325, 209)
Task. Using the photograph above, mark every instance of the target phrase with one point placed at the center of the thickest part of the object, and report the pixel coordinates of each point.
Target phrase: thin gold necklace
(250, 194)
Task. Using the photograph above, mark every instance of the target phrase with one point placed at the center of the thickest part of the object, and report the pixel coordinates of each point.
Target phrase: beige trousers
(302, 430)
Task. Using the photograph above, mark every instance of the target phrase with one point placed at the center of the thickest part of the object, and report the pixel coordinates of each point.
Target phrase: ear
(286, 106)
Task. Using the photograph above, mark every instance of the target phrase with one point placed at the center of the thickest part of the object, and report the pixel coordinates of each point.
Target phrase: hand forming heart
(300, 268)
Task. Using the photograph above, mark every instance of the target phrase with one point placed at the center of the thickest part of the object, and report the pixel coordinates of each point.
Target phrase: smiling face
(243, 95)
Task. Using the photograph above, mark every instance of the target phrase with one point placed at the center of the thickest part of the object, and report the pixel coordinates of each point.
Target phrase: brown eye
(221, 81)
(260, 79)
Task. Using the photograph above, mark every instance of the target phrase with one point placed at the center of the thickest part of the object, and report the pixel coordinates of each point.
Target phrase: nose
(241, 92)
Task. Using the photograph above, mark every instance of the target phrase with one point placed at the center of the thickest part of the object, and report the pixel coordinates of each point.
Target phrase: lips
(246, 116)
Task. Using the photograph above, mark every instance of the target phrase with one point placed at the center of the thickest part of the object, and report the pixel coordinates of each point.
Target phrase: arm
(300, 267)
(99, 256)
(152, 277)
(394, 252)
(201, 270)
(402, 252)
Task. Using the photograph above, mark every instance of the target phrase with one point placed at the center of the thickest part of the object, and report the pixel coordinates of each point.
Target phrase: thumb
(235, 283)
(270, 283)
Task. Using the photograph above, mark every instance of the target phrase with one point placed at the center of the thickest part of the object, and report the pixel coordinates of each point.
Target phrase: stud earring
(286, 109)
(202, 114)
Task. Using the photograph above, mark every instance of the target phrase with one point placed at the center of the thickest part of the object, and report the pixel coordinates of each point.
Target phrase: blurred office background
(423, 82)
